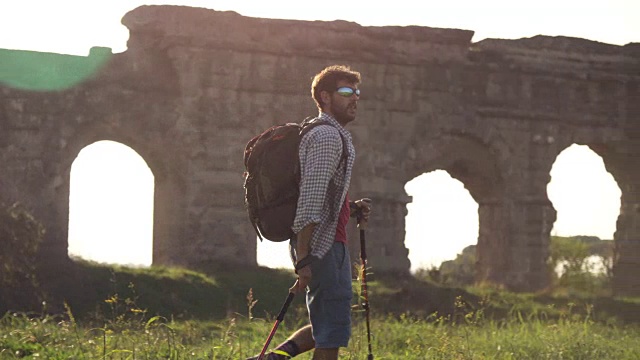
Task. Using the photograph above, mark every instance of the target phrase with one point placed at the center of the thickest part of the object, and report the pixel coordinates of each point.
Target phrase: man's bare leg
(304, 339)
(325, 354)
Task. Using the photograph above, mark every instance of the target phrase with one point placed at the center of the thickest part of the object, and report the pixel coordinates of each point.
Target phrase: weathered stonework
(195, 85)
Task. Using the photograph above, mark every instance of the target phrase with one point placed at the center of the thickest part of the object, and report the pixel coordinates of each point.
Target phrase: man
(323, 264)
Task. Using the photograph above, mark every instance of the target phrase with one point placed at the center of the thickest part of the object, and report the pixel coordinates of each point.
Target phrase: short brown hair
(327, 80)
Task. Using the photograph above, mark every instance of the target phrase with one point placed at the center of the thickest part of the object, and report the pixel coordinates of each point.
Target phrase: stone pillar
(169, 217)
(50, 206)
(493, 252)
(626, 255)
(513, 243)
(530, 252)
(385, 235)
(626, 263)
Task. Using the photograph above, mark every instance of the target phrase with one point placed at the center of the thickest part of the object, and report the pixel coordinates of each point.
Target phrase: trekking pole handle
(358, 204)
(285, 306)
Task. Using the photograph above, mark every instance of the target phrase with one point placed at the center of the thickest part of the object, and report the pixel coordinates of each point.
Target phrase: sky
(442, 218)
(74, 26)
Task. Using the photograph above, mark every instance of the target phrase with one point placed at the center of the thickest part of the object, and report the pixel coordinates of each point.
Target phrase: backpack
(272, 177)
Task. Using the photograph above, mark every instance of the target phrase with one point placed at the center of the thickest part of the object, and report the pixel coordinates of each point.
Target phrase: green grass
(403, 337)
(102, 312)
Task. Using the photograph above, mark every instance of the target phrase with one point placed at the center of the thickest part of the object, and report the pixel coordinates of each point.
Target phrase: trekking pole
(279, 319)
(362, 224)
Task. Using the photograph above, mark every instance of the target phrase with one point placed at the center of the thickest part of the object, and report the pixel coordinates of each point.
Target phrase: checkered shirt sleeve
(324, 182)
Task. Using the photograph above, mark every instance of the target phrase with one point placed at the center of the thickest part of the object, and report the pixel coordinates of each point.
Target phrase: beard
(344, 114)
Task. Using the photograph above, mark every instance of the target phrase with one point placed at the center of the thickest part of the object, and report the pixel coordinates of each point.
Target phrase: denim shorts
(329, 298)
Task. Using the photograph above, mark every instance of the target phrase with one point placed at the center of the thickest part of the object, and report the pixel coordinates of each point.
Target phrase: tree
(460, 271)
(571, 260)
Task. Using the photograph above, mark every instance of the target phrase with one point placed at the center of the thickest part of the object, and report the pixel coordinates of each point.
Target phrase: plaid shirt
(324, 182)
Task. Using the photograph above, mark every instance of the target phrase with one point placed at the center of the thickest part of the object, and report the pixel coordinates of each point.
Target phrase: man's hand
(302, 251)
(363, 210)
(304, 278)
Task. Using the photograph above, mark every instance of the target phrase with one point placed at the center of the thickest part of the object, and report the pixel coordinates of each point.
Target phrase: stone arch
(602, 150)
(168, 182)
(466, 158)
(441, 213)
(111, 205)
(626, 257)
(476, 164)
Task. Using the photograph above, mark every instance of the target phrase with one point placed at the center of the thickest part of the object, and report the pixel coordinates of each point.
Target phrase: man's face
(343, 103)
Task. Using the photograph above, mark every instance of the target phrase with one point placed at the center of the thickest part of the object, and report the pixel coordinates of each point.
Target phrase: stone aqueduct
(195, 85)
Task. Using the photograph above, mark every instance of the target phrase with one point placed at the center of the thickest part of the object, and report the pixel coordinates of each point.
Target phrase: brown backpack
(272, 177)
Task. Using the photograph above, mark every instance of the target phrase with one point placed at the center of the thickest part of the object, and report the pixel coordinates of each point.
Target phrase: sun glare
(585, 196)
(441, 221)
(274, 254)
(111, 205)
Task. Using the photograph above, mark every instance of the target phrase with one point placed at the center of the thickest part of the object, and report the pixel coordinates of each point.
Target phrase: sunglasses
(347, 91)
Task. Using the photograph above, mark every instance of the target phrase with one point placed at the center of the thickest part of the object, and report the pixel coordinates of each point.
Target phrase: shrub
(20, 236)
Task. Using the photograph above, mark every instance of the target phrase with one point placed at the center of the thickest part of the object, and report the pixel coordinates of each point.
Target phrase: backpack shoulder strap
(306, 126)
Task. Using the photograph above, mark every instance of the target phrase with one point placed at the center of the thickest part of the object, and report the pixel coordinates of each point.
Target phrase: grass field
(160, 313)
(573, 337)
